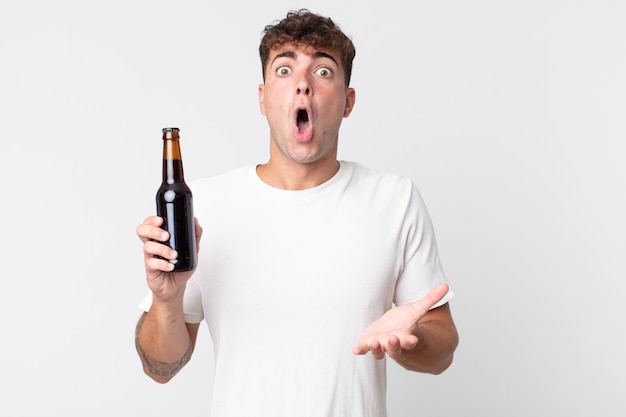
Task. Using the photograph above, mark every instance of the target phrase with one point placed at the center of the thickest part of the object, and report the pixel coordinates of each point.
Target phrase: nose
(303, 86)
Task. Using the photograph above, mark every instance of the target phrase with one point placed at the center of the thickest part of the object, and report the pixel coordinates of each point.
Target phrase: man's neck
(296, 176)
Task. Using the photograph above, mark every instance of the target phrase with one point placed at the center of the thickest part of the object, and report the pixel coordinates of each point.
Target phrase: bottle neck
(172, 162)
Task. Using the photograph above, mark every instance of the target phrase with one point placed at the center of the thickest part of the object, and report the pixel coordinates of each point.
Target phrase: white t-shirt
(288, 280)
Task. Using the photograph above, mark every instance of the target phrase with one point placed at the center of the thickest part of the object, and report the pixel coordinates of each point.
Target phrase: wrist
(168, 309)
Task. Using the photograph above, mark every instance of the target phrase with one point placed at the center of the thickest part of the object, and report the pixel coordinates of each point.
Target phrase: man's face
(304, 99)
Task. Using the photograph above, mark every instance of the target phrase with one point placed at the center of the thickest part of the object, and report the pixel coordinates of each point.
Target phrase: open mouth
(303, 128)
(302, 120)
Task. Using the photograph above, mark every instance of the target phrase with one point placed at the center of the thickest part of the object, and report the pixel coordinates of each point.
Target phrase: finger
(153, 249)
(153, 221)
(361, 349)
(395, 347)
(376, 349)
(158, 265)
(409, 342)
(198, 227)
(198, 232)
(150, 232)
(436, 294)
(433, 297)
(143, 230)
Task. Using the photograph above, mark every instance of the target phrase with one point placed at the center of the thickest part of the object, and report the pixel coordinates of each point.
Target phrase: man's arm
(418, 338)
(164, 347)
(162, 338)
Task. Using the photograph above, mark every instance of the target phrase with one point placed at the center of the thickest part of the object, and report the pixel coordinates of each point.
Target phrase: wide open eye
(283, 71)
(324, 72)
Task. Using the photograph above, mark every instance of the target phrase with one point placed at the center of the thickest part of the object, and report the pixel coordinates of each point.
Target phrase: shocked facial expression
(304, 98)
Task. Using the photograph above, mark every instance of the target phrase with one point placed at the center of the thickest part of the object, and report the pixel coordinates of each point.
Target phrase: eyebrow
(316, 55)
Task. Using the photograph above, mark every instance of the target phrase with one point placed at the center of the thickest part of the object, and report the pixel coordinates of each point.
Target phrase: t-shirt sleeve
(192, 303)
(422, 268)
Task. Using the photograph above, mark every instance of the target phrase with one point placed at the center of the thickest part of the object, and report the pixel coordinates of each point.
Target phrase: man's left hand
(394, 332)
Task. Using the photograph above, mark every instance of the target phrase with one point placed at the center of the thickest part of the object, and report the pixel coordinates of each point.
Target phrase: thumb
(433, 297)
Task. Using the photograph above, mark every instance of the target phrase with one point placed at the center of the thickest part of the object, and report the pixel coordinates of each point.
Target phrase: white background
(509, 115)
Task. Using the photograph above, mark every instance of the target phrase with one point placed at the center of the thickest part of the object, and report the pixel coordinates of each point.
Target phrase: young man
(304, 257)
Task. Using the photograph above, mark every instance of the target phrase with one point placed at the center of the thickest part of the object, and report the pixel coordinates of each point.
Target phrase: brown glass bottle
(174, 203)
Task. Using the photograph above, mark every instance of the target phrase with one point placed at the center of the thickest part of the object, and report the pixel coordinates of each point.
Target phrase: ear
(262, 98)
(350, 100)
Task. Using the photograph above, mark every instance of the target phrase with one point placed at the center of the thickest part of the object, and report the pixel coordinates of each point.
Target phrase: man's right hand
(165, 285)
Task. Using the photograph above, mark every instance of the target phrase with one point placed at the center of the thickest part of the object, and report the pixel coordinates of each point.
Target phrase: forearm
(163, 342)
(437, 341)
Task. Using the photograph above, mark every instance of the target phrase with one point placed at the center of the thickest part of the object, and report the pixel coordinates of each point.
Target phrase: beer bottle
(175, 204)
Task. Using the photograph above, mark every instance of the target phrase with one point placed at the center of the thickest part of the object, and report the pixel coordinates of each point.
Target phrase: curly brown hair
(302, 27)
